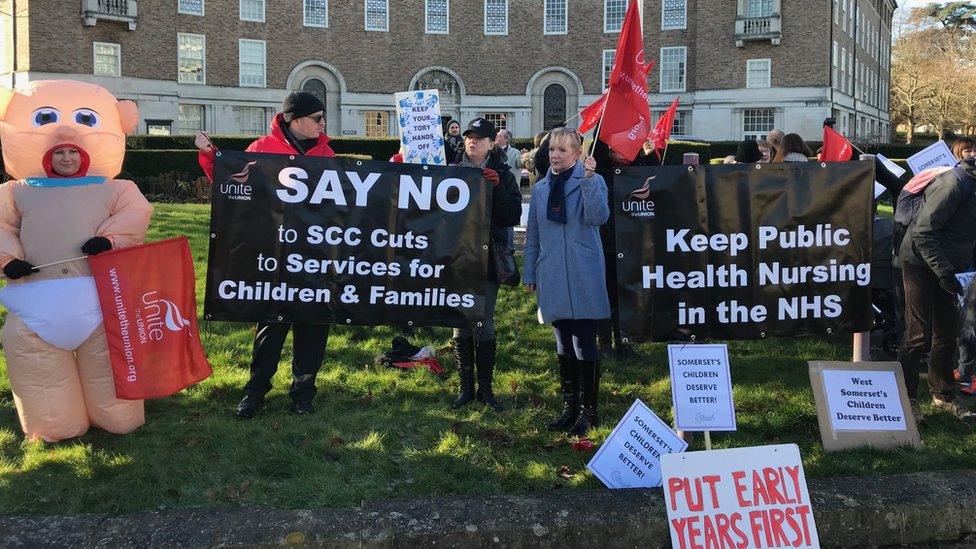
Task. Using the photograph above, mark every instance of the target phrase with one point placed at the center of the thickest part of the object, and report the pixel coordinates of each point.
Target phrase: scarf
(301, 146)
(556, 207)
(467, 163)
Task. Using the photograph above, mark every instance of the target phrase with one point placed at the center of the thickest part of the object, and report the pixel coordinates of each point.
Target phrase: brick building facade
(741, 67)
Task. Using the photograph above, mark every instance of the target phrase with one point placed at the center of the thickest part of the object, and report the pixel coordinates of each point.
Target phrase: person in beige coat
(63, 142)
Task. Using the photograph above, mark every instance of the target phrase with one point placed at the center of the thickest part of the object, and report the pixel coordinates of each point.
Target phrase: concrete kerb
(866, 511)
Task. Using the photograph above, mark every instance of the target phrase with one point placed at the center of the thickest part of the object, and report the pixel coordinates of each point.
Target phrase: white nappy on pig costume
(53, 338)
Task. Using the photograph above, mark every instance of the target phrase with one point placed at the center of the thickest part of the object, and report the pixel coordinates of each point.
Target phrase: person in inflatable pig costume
(63, 142)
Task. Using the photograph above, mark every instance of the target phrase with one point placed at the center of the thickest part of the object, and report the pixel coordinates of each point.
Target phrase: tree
(912, 84)
(951, 15)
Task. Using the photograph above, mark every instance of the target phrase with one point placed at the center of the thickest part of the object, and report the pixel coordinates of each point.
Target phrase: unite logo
(638, 203)
(236, 187)
(157, 316)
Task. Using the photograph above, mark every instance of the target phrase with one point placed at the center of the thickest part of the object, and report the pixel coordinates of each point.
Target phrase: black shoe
(302, 407)
(485, 358)
(569, 388)
(248, 407)
(586, 421)
(464, 354)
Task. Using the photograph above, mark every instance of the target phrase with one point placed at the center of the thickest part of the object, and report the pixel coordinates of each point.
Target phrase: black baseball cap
(482, 128)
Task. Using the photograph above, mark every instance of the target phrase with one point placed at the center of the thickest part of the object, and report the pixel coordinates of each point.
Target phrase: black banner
(744, 251)
(310, 239)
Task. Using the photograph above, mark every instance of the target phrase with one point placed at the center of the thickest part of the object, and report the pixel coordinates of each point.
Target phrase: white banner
(419, 117)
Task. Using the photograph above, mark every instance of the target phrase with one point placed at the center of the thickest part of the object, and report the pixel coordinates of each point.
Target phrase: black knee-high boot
(464, 353)
(485, 358)
(589, 395)
(569, 387)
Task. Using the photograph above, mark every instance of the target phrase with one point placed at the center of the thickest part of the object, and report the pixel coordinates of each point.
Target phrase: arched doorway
(553, 106)
(315, 87)
(448, 87)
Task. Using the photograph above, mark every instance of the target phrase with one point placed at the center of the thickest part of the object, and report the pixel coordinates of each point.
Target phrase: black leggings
(578, 335)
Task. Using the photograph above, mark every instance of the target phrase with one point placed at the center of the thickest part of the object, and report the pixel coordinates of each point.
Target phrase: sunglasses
(317, 118)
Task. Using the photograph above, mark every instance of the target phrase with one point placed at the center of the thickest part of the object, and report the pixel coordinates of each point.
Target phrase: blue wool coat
(565, 261)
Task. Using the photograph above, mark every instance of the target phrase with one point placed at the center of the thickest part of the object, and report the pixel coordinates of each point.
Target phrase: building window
(758, 73)
(436, 19)
(673, 14)
(836, 11)
(608, 58)
(315, 87)
(673, 69)
(833, 62)
(850, 73)
(760, 8)
(499, 119)
(159, 127)
(757, 123)
(496, 17)
(192, 56)
(316, 13)
(555, 17)
(679, 127)
(377, 124)
(108, 59)
(250, 120)
(613, 15)
(553, 106)
(191, 119)
(377, 15)
(252, 63)
(252, 10)
(191, 7)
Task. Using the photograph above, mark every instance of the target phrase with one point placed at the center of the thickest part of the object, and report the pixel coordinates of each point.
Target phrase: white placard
(895, 169)
(631, 455)
(701, 387)
(742, 497)
(419, 117)
(863, 401)
(933, 156)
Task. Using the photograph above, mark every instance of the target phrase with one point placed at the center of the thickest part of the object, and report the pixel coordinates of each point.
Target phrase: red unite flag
(836, 147)
(627, 119)
(662, 130)
(150, 312)
(590, 116)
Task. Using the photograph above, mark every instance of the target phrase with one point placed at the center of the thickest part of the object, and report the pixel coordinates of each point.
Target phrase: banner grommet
(758, 166)
(348, 321)
(691, 169)
(280, 318)
(213, 235)
(425, 168)
(218, 153)
(620, 255)
(625, 339)
(480, 324)
(291, 157)
(616, 171)
(762, 335)
(692, 337)
(830, 331)
(409, 323)
(823, 164)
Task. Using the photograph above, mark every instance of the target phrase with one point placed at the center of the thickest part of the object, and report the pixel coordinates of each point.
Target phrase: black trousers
(931, 313)
(576, 337)
(309, 351)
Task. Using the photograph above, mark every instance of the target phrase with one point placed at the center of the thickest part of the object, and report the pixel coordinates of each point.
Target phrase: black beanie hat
(748, 152)
(299, 104)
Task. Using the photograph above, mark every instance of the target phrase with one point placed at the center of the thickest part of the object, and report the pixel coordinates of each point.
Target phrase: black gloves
(17, 268)
(951, 284)
(96, 245)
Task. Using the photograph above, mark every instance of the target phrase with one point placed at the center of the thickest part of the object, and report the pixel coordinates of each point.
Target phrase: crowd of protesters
(570, 250)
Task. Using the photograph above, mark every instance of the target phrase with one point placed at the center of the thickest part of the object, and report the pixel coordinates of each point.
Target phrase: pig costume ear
(6, 96)
(128, 116)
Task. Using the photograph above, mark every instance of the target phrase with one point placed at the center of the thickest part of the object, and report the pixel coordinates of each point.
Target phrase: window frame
(366, 117)
(606, 18)
(684, 16)
(118, 58)
(769, 72)
(684, 70)
(545, 18)
(180, 118)
(203, 9)
(502, 116)
(240, 63)
(762, 134)
(305, 22)
(608, 69)
(203, 58)
(386, 18)
(505, 33)
(264, 11)
(262, 126)
(447, 17)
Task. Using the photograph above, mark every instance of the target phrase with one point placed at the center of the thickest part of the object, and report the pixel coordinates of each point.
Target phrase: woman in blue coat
(564, 267)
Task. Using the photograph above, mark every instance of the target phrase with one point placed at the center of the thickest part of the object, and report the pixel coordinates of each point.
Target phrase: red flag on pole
(590, 116)
(662, 130)
(150, 313)
(836, 147)
(627, 116)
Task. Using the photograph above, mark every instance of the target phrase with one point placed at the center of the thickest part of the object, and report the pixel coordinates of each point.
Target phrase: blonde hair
(566, 135)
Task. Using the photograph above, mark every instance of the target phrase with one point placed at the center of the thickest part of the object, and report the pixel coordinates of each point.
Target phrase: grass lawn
(381, 433)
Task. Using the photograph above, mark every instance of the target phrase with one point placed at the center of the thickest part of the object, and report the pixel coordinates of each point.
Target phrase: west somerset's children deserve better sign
(744, 251)
(742, 497)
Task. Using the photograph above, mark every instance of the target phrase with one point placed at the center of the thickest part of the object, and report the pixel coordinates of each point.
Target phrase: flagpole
(665, 153)
(53, 263)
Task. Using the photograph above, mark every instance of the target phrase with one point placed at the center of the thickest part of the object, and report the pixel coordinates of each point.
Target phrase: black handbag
(506, 270)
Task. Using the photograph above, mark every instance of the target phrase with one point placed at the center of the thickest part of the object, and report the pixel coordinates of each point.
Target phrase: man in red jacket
(299, 129)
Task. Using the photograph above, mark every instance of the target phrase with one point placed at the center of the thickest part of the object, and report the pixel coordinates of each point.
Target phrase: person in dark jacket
(938, 245)
(299, 129)
(476, 346)
(453, 142)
